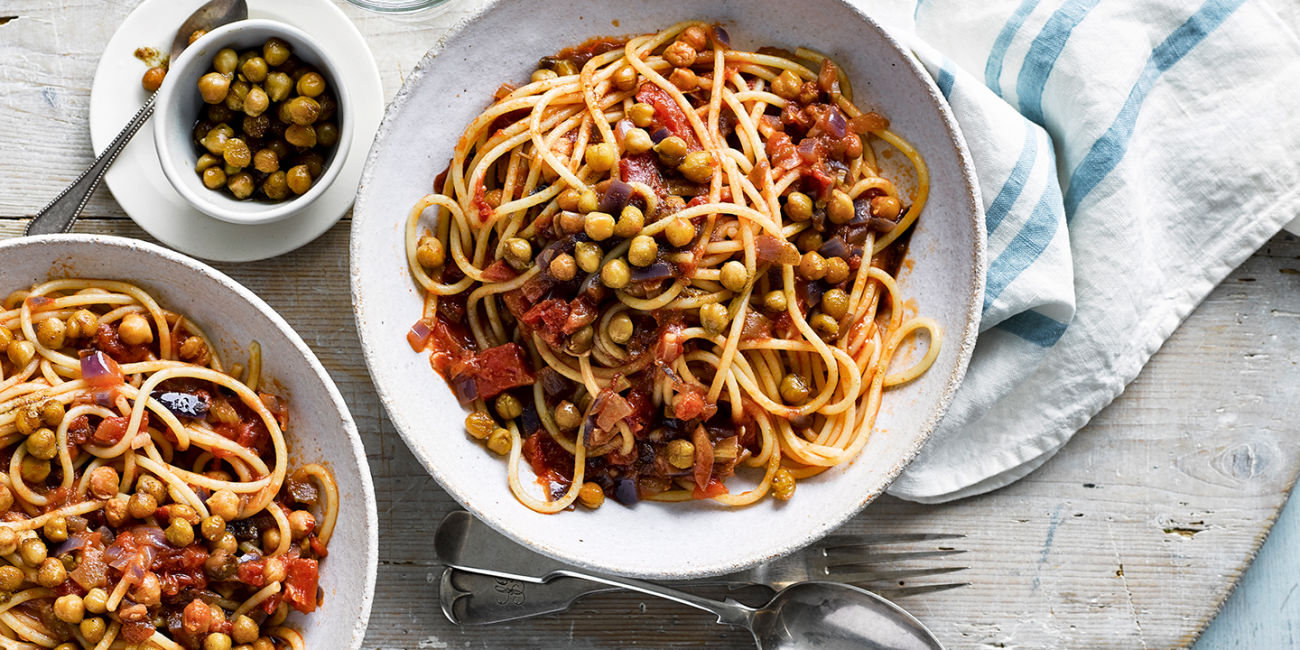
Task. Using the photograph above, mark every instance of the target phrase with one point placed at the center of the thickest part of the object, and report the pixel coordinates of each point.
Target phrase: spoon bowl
(832, 615)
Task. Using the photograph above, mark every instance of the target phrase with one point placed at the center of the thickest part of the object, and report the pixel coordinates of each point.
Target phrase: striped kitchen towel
(1130, 153)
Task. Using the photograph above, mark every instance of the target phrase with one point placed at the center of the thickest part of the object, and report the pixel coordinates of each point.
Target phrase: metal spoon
(57, 217)
(823, 615)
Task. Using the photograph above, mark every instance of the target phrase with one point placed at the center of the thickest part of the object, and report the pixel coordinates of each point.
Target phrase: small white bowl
(178, 106)
(321, 429)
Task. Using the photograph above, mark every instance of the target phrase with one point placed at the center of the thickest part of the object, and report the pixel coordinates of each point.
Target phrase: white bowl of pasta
(181, 464)
(699, 302)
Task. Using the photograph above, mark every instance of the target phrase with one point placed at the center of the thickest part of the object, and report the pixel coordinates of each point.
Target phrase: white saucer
(136, 179)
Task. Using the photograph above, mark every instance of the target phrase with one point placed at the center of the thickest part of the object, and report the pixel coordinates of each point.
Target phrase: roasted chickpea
(568, 200)
(508, 406)
(798, 207)
(142, 505)
(225, 61)
(599, 226)
(672, 150)
(303, 110)
(580, 342)
(852, 146)
(684, 79)
(840, 208)
(180, 533)
(681, 454)
(479, 424)
(327, 134)
(300, 135)
(266, 161)
(51, 333)
(567, 416)
(301, 524)
(886, 207)
(601, 157)
(794, 389)
(51, 573)
(643, 250)
(11, 578)
(275, 51)
(783, 484)
(214, 178)
(135, 330)
(837, 270)
(241, 185)
(21, 353)
(256, 103)
(679, 54)
(215, 140)
(499, 441)
(35, 470)
(680, 232)
(153, 78)
(563, 267)
(625, 77)
(28, 419)
(637, 141)
(278, 85)
(276, 186)
(812, 266)
(824, 325)
(697, 167)
(298, 179)
(621, 328)
(591, 495)
(615, 274)
(148, 592)
(212, 528)
(714, 317)
(93, 629)
(543, 74)
(430, 252)
(787, 85)
(6, 337)
(69, 609)
(225, 504)
(518, 252)
(311, 84)
(835, 303)
(244, 630)
(775, 301)
(588, 201)
(588, 256)
(42, 445)
(734, 276)
(237, 93)
(81, 324)
(641, 114)
(237, 153)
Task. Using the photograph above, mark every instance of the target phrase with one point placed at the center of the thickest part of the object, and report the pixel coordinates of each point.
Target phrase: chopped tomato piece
(667, 112)
(300, 584)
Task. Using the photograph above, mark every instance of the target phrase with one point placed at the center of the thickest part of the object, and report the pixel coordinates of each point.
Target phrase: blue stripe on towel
(993, 67)
(1109, 149)
(946, 77)
(1035, 328)
(1042, 55)
(1026, 246)
(1015, 182)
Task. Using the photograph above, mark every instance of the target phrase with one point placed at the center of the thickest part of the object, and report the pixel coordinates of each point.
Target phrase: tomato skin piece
(300, 584)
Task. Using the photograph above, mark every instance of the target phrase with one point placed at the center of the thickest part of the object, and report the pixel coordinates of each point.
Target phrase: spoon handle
(730, 613)
(57, 217)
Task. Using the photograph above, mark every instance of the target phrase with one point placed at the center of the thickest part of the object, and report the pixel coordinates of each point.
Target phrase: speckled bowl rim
(973, 211)
(335, 397)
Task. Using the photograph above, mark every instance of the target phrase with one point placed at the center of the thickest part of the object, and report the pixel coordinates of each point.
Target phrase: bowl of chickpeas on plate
(250, 124)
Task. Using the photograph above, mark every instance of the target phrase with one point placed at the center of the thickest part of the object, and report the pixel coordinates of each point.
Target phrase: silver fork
(487, 589)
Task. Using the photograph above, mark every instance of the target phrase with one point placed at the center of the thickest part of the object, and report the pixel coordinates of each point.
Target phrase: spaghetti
(664, 258)
(147, 497)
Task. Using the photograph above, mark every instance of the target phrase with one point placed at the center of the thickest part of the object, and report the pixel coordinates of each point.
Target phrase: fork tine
(898, 574)
(841, 540)
(881, 558)
(902, 592)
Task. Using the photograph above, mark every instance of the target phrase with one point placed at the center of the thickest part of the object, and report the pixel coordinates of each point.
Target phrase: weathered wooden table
(1131, 537)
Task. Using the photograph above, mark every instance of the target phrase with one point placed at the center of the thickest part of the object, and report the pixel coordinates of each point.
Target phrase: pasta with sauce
(664, 259)
(148, 500)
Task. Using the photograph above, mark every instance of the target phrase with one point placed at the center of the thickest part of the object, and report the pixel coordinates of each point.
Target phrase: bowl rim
(345, 414)
(971, 214)
(215, 204)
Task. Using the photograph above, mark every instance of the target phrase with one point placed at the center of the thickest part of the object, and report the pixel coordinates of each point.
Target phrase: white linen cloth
(1131, 153)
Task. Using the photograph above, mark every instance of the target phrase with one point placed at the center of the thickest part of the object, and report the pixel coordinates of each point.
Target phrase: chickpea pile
(268, 126)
